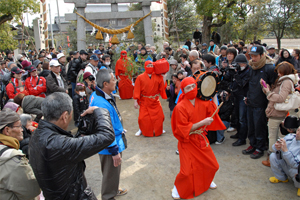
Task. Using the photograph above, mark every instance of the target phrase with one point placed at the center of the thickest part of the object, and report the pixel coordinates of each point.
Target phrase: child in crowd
(181, 74)
(224, 113)
(80, 102)
(172, 92)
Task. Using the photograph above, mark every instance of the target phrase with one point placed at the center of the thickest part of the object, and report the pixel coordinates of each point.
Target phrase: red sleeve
(217, 124)
(117, 68)
(10, 91)
(180, 125)
(137, 88)
(30, 89)
(162, 88)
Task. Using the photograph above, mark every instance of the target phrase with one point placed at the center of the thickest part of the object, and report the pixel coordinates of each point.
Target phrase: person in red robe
(198, 163)
(147, 88)
(125, 83)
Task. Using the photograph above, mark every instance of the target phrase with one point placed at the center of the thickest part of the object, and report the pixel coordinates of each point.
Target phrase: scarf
(259, 64)
(9, 141)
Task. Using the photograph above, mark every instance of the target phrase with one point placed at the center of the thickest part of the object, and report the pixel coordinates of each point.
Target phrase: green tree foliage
(182, 16)
(283, 17)
(139, 35)
(6, 37)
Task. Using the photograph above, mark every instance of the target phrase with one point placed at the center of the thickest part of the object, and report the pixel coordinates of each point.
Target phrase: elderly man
(285, 162)
(57, 158)
(148, 86)
(163, 53)
(62, 61)
(194, 55)
(54, 81)
(16, 175)
(111, 157)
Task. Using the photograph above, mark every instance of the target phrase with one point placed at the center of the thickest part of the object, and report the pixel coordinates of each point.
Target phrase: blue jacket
(98, 99)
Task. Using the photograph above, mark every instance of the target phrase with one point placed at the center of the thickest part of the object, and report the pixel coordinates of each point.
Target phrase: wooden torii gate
(81, 24)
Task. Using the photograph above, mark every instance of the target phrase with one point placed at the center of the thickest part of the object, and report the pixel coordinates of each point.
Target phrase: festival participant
(125, 84)
(198, 163)
(147, 88)
(36, 85)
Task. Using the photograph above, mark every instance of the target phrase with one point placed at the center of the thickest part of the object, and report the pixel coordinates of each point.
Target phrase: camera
(234, 66)
(91, 78)
(85, 125)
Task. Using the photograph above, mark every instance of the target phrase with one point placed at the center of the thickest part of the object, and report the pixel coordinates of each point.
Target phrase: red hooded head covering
(185, 82)
(149, 70)
(121, 64)
(123, 56)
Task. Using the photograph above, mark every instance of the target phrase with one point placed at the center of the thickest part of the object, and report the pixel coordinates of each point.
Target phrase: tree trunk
(278, 39)
(207, 20)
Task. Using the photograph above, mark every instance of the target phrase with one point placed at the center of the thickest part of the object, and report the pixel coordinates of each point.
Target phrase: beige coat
(17, 179)
(278, 95)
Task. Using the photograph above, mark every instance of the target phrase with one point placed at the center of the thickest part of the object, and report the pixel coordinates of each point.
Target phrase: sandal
(121, 192)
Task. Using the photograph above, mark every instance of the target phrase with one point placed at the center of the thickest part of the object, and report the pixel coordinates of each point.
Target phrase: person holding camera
(111, 157)
(57, 158)
(90, 83)
(285, 159)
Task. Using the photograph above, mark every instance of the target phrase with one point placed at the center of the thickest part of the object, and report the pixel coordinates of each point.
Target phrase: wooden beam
(112, 15)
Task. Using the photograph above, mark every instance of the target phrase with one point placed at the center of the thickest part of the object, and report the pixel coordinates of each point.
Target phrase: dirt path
(150, 166)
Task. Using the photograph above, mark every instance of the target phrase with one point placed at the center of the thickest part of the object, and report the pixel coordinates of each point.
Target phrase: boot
(267, 162)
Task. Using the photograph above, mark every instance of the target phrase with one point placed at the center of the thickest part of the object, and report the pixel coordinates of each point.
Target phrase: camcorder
(85, 125)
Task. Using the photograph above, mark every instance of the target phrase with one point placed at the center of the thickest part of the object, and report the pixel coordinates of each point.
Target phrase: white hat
(19, 56)
(60, 55)
(49, 56)
(54, 62)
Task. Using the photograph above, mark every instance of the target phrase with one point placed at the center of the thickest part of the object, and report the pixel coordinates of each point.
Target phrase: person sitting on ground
(36, 85)
(38, 65)
(17, 178)
(284, 159)
(16, 85)
(53, 150)
(80, 102)
(56, 82)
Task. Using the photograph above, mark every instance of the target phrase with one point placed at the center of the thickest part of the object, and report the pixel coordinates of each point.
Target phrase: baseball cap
(25, 63)
(60, 55)
(94, 57)
(83, 52)
(49, 56)
(54, 63)
(97, 52)
(31, 68)
(86, 75)
(7, 116)
(271, 47)
(256, 50)
(204, 44)
(16, 70)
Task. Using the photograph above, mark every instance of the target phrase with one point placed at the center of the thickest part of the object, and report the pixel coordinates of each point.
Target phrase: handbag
(292, 101)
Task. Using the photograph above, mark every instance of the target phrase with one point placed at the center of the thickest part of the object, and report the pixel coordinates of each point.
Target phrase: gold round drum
(208, 85)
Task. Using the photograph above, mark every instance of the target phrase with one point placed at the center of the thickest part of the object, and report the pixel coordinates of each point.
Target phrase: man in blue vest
(111, 157)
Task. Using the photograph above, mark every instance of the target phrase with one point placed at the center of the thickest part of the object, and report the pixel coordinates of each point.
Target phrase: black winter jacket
(80, 104)
(226, 109)
(76, 66)
(255, 97)
(57, 158)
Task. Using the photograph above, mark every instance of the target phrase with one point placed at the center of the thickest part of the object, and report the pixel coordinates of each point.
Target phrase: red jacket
(33, 88)
(12, 88)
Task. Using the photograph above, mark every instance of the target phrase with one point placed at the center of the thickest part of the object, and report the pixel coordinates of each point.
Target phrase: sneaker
(177, 152)
(230, 129)
(213, 185)
(248, 151)
(121, 192)
(275, 180)
(164, 131)
(221, 141)
(257, 154)
(137, 134)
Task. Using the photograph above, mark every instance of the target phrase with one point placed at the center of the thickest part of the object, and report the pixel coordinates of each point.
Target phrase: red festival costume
(125, 84)
(146, 91)
(198, 163)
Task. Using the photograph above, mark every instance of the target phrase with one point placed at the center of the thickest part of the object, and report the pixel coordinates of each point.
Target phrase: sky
(63, 9)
